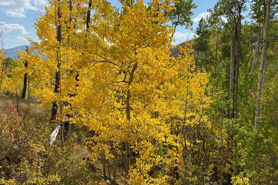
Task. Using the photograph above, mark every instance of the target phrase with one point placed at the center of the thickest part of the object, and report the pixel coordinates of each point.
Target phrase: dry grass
(32, 111)
(26, 108)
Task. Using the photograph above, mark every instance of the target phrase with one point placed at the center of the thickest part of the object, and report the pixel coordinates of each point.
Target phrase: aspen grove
(104, 97)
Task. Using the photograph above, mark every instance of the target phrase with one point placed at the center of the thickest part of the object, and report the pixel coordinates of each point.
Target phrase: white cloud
(16, 8)
(22, 38)
(13, 28)
(207, 14)
(182, 37)
(15, 13)
(40, 4)
(7, 3)
(200, 16)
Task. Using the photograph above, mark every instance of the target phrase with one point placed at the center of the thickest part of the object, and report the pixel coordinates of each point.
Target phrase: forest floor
(24, 108)
(32, 111)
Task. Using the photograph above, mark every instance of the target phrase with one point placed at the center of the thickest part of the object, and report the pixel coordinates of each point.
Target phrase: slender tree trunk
(17, 102)
(103, 165)
(67, 123)
(205, 65)
(108, 171)
(24, 90)
(262, 67)
(28, 89)
(216, 56)
(2, 64)
(55, 104)
(231, 86)
(127, 145)
(2, 75)
(257, 50)
(88, 20)
(197, 58)
(128, 109)
(114, 167)
(236, 64)
(57, 73)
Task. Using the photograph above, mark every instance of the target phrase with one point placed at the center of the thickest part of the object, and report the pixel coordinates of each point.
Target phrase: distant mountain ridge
(12, 52)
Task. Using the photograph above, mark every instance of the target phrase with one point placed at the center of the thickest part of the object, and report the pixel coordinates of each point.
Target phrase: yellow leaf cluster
(117, 75)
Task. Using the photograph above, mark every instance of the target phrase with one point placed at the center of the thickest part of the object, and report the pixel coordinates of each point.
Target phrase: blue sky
(18, 16)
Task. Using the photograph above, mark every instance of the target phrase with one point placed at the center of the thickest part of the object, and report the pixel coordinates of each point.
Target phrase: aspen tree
(124, 73)
(25, 80)
(263, 65)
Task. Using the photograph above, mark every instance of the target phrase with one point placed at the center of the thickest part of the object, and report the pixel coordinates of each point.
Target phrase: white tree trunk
(262, 67)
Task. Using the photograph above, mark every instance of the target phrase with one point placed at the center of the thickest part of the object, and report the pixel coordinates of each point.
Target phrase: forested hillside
(104, 97)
